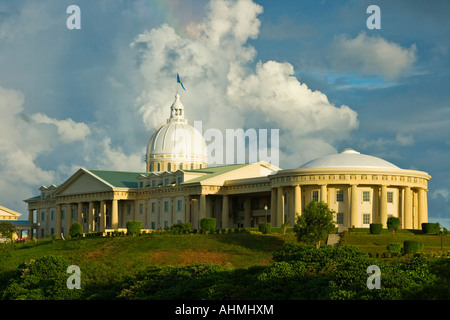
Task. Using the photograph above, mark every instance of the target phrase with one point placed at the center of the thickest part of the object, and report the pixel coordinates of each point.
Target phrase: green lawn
(377, 243)
(111, 258)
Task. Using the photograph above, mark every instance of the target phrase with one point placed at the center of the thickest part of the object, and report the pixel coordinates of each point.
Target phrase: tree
(393, 223)
(315, 223)
(7, 229)
(75, 230)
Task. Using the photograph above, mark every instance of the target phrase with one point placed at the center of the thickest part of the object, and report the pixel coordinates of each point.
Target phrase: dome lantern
(177, 110)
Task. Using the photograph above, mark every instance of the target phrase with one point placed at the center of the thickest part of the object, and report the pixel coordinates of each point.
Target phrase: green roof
(214, 171)
(118, 179)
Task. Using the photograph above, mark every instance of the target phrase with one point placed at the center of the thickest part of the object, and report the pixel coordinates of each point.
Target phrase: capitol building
(178, 186)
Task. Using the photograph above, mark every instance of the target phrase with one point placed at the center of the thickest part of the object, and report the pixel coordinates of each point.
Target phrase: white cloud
(68, 130)
(404, 140)
(115, 159)
(226, 89)
(372, 56)
(445, 193)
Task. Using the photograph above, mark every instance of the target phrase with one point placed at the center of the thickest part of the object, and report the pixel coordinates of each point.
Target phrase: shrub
(265, 227)
(394, 247)
(182, 227)
(134, 227)
(40, 279)
(375, 228)
(393, 223)
(430, 228)
(75, 230)
(7, 229)
(208, 224)
(412, 246)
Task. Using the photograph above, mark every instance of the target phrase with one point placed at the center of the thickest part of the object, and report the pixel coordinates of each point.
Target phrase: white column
(408, 208)
(225, 211)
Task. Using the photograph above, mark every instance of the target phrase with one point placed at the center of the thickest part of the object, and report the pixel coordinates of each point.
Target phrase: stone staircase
(333, 239)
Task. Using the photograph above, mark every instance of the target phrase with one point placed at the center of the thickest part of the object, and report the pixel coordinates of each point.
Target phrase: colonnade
(412, 208)
(89, 210)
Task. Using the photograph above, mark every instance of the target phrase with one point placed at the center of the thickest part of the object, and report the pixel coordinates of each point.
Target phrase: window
(339, 195)
(73, 214)
(141, 208)
(42, 216)
(181, 166)
(166, 224)
(153, 225)
(153, 208)
(390, 197)
(52, 216)
(192, 166)
(315, 195)
(141, 184)
(63, 214)
(169, 167)
(166, 206)
(166, 181)
(153, 183)
(180, 205)
(159, 167)
(366, 196)
(366, 218)
(340, 218)
(129, 209)
(180, 180)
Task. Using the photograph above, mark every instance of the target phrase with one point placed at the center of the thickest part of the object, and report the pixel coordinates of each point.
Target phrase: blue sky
(312, 69)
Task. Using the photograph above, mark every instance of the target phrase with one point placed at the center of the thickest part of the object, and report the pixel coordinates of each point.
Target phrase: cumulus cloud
(227, 88)
(68, 130)
(371, 56)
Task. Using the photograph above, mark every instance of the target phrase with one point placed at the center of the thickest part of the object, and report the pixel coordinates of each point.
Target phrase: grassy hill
(111, 259)
(239, 266)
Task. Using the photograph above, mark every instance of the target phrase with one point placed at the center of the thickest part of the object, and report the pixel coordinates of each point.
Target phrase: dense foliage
(375, 228)
(316, 222)
(208, 224)
(134, 227)
(75, 230)
(393, 223)
(181, 228)
(7, 229)
(41, 279)
(431, 228)
(412, 246)
(298, 272)
(265, 227)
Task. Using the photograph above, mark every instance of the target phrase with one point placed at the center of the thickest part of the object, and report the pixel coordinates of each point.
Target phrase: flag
(179, 81)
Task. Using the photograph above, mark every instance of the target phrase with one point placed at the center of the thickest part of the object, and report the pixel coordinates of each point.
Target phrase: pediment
(83, 182)
(8, 214)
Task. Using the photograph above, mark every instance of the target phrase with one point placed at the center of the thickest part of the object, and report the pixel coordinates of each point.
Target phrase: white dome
(176, 140)
(349, 158)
